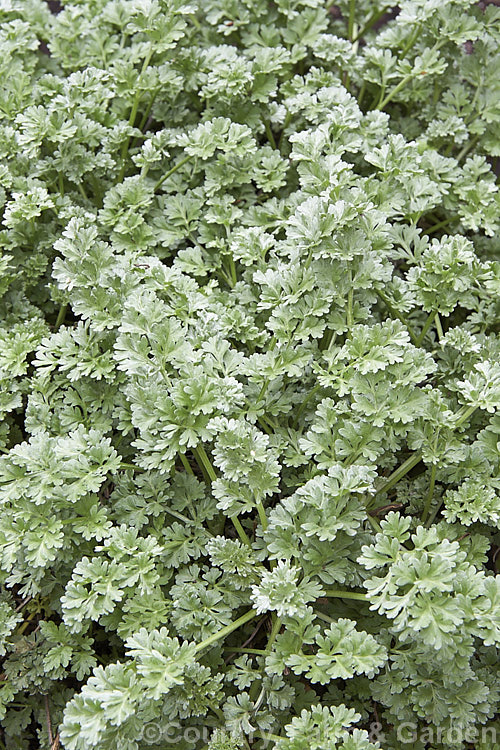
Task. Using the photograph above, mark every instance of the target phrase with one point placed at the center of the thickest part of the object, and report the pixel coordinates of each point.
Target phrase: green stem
(179, 516)
(125, 465)
(145, 116)
(218, 712)
(81, 190)
(426, 327)
(26, 623)
(439, 327)
(433, 514)
(274, 632)
(337, 593)
(392, 93)
(372, 19)
(350, 300)
(232, 270)
(350, 23)
(374, 523)
(349, 460)
(241, 531)
(414, 459)
(468, 146)
(286, 123)
(148, 110)
(133, 111)
(257, 651)
(324, 617)
(60, 317)
(262, 422)
(186, 463)
(262, 515)
(171, 172)
(263, 389)
(411, 42)
(195, 21)
(301, 408)
(227, 629)
(466, 413)
(201, 453)
(361, 93)
(438, 225)
(269, 133)
(400, 472)
(267, 736)
(255, 686)
(430, 494)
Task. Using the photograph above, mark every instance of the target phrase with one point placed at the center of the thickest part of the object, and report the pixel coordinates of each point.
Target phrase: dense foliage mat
(249, 374)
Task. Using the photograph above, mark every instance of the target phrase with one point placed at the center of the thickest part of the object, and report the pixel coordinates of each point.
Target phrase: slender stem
(263, 389)
(439, 327)
(438, 225)
(374, 523)
(200, 452)
(392, 93)
(302, 406)
(285, 125)
(337, 593)
(428, 323)
(274, 632)
(350, 23)
(60, 317)
(265, 426)
(267, 736)
(81, 190)
(468, 146)
(257, 651)
(322, 616)
(148, 109)
(179, 516)
(270, 134)
(232, 269)
(125, 465)
(241, 531)
(361, 93)
(262, 515)
(195, 21)
(186, 463)
(466, 413)
(430, 494)
(433, 514)
(26, 623)
(400, 472)
(350, 300)
(349, 460)
(411, 42)
(227, 629)
(171, 172)
(49, 720)
(372, 19)
(413, 460)
(133, 111)
(227, 279)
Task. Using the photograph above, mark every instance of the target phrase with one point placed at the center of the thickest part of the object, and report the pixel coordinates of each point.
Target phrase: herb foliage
(249, 371)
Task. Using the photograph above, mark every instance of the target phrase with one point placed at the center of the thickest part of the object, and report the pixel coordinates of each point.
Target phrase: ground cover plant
(249, 375)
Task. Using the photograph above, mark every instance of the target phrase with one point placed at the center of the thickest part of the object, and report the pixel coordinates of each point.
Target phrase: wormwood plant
(249, 374)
